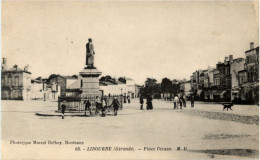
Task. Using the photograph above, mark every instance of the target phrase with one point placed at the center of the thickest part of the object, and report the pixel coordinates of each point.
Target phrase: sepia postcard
(137, 80)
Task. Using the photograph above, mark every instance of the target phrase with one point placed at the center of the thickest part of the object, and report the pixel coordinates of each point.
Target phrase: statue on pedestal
(90, 54)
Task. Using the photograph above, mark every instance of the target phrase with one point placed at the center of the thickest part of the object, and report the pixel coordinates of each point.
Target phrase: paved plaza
(206, 131)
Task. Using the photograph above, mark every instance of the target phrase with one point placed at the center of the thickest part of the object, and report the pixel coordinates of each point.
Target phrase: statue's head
(89, 40)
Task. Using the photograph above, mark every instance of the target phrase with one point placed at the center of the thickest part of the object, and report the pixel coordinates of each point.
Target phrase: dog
(227, 106)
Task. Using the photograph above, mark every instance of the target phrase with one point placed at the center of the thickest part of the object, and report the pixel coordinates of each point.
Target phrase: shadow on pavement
(231, 152)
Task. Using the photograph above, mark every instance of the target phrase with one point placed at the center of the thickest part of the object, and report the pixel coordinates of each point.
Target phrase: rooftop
(16, 69)
(107, 83)
(257, 49)
(69, 77)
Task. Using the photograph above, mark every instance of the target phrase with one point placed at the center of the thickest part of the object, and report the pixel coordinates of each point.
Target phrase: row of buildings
(234, 80)
(17, 84)
(71, 86)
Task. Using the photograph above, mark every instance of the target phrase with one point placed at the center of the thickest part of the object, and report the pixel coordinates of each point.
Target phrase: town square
(195, 128)
(113, 80)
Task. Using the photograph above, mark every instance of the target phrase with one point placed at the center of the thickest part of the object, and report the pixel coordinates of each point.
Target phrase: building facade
(251, 88)
(16, 83)
(236, 66)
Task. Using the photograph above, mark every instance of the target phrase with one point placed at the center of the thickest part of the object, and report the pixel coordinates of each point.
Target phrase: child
(104, 108)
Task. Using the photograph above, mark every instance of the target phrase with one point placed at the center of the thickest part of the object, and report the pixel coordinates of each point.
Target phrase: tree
(166, 85)
(122, 79)
(151, 87)
(105, 78)
(75, 76)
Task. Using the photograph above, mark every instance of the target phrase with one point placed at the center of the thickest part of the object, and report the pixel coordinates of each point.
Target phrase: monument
(89, 76)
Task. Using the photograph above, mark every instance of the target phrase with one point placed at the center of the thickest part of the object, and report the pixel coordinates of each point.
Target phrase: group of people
(149, 104)
(182, 102)
(101, 105)
(176, 102)
(128, 99)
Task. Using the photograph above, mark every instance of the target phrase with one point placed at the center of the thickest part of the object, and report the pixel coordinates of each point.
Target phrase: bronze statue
(90, 53)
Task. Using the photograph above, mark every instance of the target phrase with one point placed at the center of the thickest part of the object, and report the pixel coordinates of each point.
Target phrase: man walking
(192, 101)
(116, 105)
(149, 102)
(87, 107)
(141, 102)
(63, 108)
(128, 98)
(184, 100)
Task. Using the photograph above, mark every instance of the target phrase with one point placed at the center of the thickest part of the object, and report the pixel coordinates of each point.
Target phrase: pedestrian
(104, 107)
(141, 102)
(149, 103)
(98, 105)
(184, 101)
(124, 99)
(175, 102)
(87, 106)
(180, 101)
(128, 98)
(116, 105)
(192, 101)
(63, 108)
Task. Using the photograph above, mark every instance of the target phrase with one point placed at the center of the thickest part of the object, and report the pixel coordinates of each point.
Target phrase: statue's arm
(92, 48)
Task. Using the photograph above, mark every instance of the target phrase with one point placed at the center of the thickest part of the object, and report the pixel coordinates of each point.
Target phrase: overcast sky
(132, 39)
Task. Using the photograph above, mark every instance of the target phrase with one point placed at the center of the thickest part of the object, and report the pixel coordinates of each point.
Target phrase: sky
(138, 40)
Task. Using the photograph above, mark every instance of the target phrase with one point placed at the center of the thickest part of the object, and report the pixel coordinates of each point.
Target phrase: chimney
(16, 67)
(4, 66)
(231, 58)
(251, 45)
(226, 59)
(4, 61)
(26, 68)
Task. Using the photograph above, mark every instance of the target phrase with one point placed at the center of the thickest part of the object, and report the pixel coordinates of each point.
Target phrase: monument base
(89, 78)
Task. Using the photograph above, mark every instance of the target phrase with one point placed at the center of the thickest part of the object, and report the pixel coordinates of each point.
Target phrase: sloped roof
(257, 49)
(36, 81)
(108, 83)
(102, 84)
(128, 79)
(16, 69)
(69, 77)
(119, 82)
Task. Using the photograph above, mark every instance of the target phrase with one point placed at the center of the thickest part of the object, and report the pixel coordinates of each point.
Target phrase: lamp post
(121, 98)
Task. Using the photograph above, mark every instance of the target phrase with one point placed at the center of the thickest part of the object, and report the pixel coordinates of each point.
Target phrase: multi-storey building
(225, 79)
(242, 79)
(236, 66)
(61, 81)
(185, 89)
(251, 87)
(16, 83)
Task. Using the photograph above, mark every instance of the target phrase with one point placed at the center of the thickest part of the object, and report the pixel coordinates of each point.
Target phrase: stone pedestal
(89, 79)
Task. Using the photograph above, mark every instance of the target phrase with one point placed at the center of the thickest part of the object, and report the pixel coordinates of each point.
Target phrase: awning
(217, 92)
(235, 91)
(222, 93)
(199, 92)
(250, 85)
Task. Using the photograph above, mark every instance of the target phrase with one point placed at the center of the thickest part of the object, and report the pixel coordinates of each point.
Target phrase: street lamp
(121, 98)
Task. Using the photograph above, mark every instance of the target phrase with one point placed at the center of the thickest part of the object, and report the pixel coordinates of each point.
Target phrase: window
(10, 80)
(3, 82)
(16, 81)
